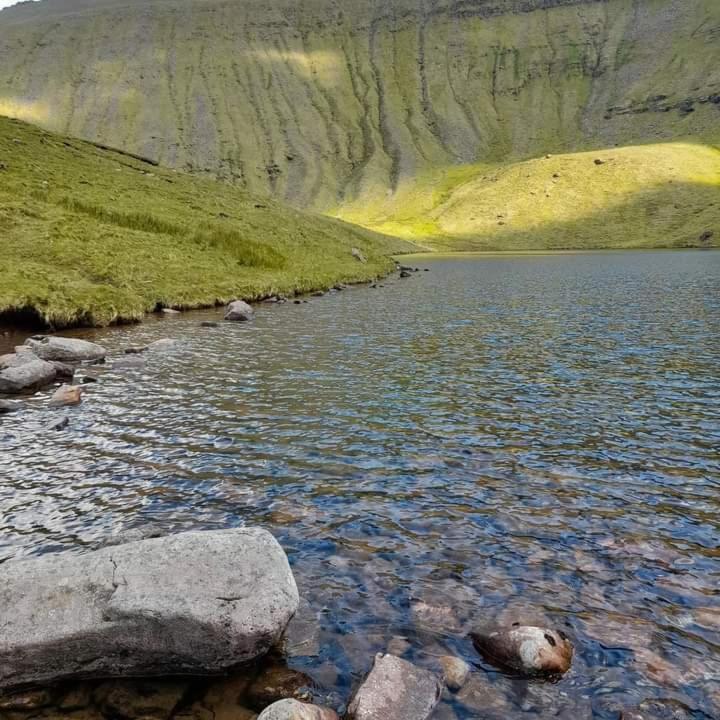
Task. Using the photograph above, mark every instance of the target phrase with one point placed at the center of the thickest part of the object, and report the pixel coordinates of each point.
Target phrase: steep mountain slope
(324, 102)
(91, 236)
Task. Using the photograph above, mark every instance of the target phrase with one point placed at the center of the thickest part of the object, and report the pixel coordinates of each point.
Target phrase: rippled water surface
(530, 437)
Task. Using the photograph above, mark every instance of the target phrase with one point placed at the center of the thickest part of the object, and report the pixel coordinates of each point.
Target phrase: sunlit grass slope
(92, 236)
(662, 195)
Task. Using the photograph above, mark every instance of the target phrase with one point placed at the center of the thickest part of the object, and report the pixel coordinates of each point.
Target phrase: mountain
(347, 105)
(91, 236)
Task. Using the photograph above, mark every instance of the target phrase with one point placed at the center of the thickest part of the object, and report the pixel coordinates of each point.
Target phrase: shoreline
(25, 329)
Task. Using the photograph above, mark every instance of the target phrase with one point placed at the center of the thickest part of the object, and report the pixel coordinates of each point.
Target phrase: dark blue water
(530, 437)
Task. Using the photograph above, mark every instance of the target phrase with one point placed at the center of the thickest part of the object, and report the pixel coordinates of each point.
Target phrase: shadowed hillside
(323, 102)
(91, 236)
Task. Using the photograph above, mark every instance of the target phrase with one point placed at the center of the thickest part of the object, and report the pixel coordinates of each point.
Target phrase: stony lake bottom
(510, 437)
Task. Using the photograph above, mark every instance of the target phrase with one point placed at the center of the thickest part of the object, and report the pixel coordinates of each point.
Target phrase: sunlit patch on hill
(661, 195)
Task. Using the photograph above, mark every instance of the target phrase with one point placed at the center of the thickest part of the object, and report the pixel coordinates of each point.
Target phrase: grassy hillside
(323, 102)
(93, 236)
(664, 195)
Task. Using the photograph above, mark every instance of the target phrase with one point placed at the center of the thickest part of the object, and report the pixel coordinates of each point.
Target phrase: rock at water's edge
(64, 349)
(30, 374)
(294, 710)
(239, 311)
(196, 602)
(396, 690)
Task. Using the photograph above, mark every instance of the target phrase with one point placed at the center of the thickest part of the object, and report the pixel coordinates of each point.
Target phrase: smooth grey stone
(30, 375)
(239, 311)
(193, 603)
(396, 690)
(296, 710)
(66, 349)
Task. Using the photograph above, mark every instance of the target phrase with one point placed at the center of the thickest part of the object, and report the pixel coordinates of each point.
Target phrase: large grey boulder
(396, 690)
(27, 372)
(64, 349)
(239, 311)
(192, 603)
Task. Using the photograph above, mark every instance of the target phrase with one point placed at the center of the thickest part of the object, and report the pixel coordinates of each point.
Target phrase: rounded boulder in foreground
(193, 603)
(526, 649)
(239, 311)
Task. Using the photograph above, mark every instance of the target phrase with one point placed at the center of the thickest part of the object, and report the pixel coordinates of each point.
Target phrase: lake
(534, 437)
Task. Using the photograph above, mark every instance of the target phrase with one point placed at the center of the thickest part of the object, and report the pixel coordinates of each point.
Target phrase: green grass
(93, 236)
(661, 195)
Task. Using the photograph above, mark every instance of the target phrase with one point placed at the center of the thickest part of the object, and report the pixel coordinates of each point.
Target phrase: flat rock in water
(239, 311)
(66, 395)
(30, 374)
(396, 690)
(64, 349)
(294, 710)
(192, 603)
(163, 344)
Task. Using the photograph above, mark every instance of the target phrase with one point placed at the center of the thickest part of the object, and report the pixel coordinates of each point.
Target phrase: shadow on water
(519, 438)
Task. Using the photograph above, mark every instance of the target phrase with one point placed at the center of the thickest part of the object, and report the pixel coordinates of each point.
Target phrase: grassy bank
(648, 196)
(92, 236)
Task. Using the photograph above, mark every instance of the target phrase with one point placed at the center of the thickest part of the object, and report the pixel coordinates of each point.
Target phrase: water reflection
(526, 437)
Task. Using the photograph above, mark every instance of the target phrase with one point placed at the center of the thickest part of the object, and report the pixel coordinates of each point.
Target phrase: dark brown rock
(278, 682)
(526, 649)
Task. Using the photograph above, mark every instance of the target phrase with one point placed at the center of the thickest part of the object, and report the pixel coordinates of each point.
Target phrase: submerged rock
(208, 324)
(239, 311)
(294, 710)
(278, 682)
(139, 699)
(395, 690)
(59, 424)
(64, 349)
(30, 373)
(6, 406)
(25, 701)
(455, 671)
(66, 395)
(163, 344)
(196, 602)
(526, 649)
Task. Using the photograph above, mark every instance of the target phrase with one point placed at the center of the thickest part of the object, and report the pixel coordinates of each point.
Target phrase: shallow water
(518, 437)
